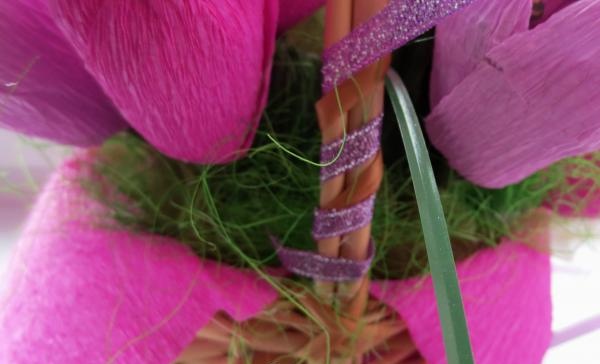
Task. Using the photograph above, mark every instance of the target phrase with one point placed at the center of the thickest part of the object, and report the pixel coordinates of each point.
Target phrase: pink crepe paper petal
(44, 89)
(532, 101)
(506, 293)
(191, 76)
(78, 293)
(292, 11)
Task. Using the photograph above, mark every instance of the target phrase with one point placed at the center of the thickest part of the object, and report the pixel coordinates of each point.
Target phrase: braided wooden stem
(361, 100)
(282, 334)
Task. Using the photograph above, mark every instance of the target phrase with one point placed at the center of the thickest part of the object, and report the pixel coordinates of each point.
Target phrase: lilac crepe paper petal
(506, 294)
(78, 293)
(532, 101)
(192, 77)
(551, 7)
(44, 89)
(292, 11)
(463, 39)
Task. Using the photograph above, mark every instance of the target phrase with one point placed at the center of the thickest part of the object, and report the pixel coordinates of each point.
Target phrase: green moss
(221, 211)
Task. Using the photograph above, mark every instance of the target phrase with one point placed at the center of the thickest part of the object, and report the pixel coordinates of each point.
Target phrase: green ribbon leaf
(437, 241)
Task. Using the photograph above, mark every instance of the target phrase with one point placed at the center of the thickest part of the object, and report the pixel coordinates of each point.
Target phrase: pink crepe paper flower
(509, 100)
(192, 77)
(45, 90)
(79, 292)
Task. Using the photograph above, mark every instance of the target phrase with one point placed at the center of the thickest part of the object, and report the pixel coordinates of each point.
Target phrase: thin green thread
(340, 150)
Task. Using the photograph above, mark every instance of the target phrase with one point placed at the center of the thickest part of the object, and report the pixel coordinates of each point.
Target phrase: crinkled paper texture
(45, 90)
(517, 100)
(191, 77)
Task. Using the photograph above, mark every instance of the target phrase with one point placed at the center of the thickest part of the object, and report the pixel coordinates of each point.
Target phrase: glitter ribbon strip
(395, 25)
(315, 266)
(361, 145)
(338, 222)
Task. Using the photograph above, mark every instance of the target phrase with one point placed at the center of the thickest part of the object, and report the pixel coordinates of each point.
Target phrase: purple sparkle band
(338, 222)
(399, 22)
(361, 145)
(315, 266)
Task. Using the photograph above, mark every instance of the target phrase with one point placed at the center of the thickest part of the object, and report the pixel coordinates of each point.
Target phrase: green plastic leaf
(437, 241)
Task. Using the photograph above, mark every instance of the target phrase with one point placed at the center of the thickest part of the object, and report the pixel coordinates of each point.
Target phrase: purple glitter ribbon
(338, 222)
(315, 266)
(361, 145)
(399, 22)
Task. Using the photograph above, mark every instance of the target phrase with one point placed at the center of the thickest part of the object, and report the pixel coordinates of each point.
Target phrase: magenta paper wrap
(81, 290)
(509, 100)
(78, 293)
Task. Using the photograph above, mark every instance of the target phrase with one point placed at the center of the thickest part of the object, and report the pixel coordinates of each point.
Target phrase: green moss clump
(220, 211)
